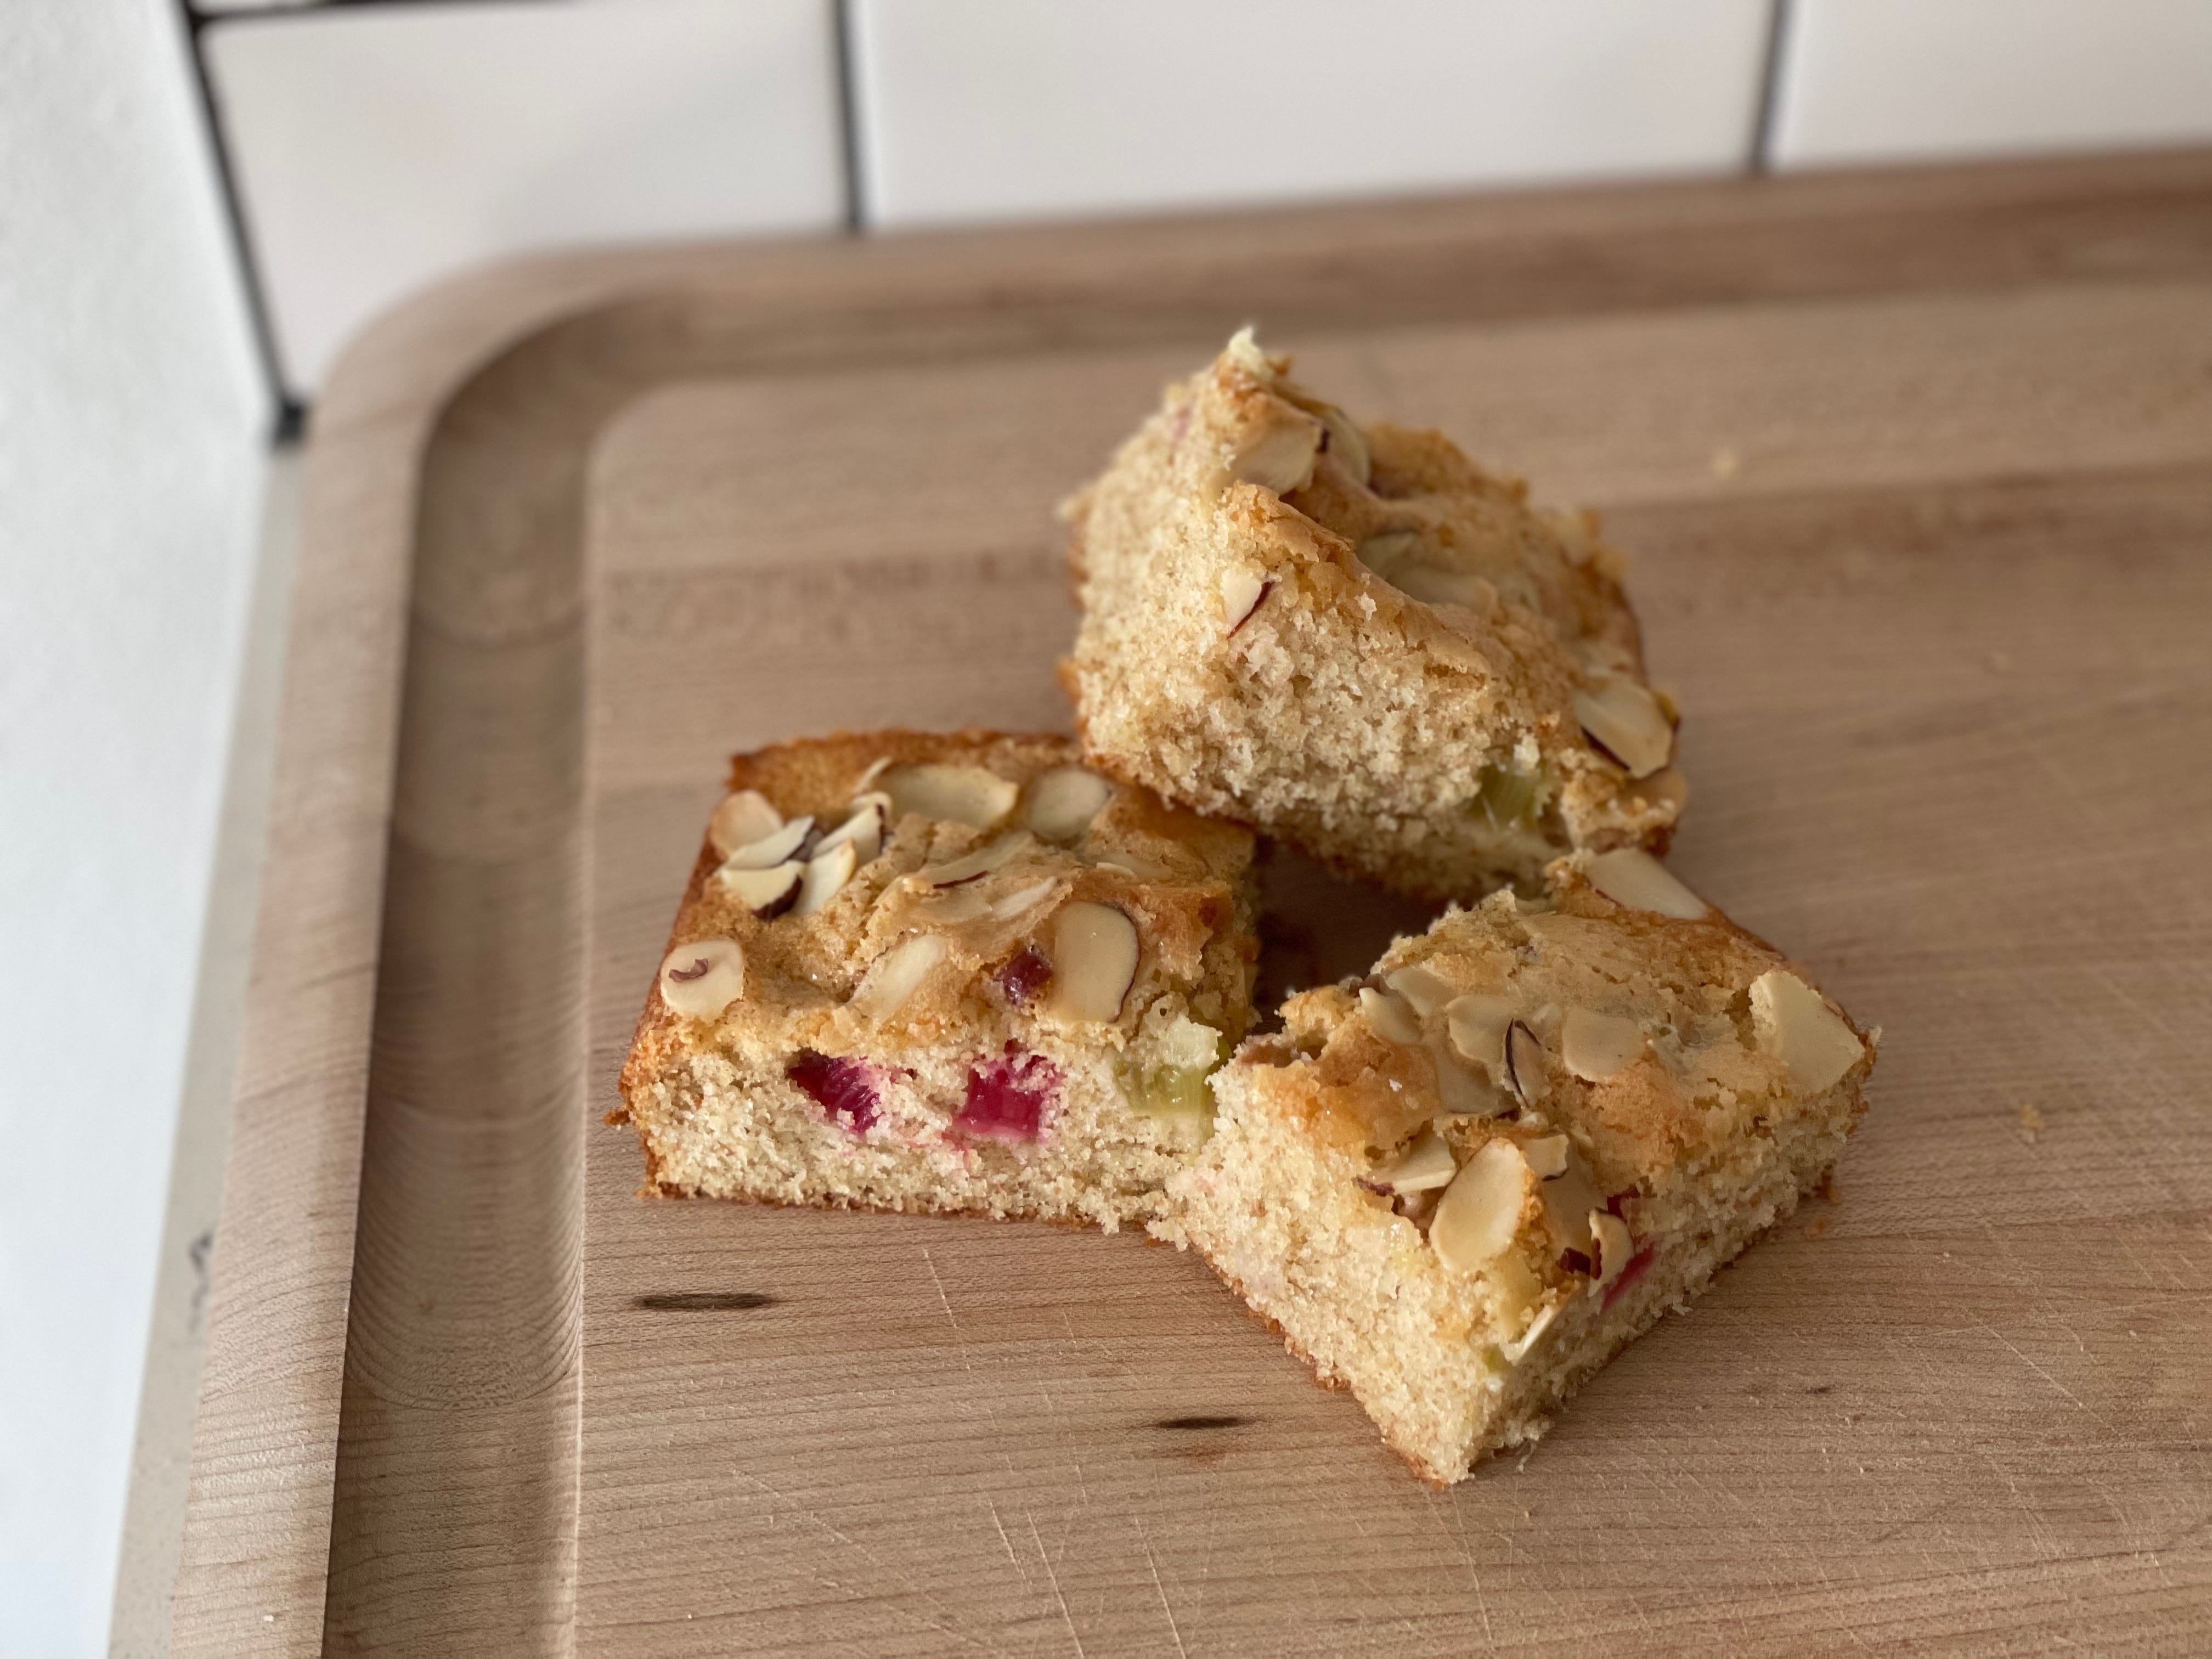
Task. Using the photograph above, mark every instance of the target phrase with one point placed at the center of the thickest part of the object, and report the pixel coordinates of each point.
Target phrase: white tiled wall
(997, 109)
(381, 148)
(378, 148)
(1868, 81)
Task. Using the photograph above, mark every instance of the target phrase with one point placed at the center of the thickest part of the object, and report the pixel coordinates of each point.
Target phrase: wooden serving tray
(1915, 473)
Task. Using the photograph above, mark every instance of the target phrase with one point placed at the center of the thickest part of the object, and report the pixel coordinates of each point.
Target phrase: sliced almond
(766, 893)
(1423, 986)
(1480, 1211)
(1517, 1349)
(1280, 456)
(1387, 552)
(974, 866)
(1063, 802)
(1546, 1156)
(1392, 1018)
(972, 795)
(1626, 722)
(1665, 787)
(1417, 1207)
(1596, 1047)
(771, 849)
(742, 819)
(1435, 583)
(1024, 899)
(1243, 591)
(1527, 1071)
(1132, 864)
(1094, 952)
(1612, 1246)
(863, 831)
(826, 875)
(1569, 1197)
(699, 979)
(1346, 441)
(1423, 1166)
(1815, 1043)
(1460, 1090)
(1477, 1024)
(1630, 876)
(946, 907)
(894, 976)
(1243, 351)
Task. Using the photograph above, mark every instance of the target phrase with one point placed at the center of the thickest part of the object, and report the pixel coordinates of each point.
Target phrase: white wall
(380, 148)
(971, 110)
(132, 413)
(1868, 81)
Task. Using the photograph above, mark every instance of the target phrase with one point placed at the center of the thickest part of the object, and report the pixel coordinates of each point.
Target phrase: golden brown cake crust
(717, 1100)
(1652, 1091)
(1359, 641)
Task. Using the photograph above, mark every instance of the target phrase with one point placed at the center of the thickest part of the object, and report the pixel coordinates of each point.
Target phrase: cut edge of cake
(1560, 1247)
(931, 1035)
(1359, 641)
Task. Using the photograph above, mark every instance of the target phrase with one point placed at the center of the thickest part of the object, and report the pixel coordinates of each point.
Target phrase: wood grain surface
(1916, 475)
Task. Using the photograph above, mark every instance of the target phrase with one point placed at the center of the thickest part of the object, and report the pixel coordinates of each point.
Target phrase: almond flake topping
(1526, 1069)
(1423, 986)
(863, 828)
(826, 874)
(1626, 722)
(1569, 1197)
(1477, 1023)
(1243, 591)
(1280, 456)
(1630, 876)
(1609, 1234)
(1093, 951)
(1024, 899)
(1460, 1090)
(893, 977)
(698, 980)
(1598, 1046)
(1546, 1155)
(1815, 1044)
(1391, 1017)
(1480, 1211)
(1426, 1163)
(973, 866)
(972, 795)
(767, 893)
(740, 820)
(1346, 442)
(1064, 801)
(1517, 1349)
(773, 848)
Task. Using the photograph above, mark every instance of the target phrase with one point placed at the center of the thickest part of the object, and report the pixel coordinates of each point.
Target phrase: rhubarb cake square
(955, 972)
(1463, 1186)
(1356, 638)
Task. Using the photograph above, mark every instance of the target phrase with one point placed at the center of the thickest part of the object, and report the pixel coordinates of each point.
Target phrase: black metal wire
(290, 420)
(1770, 87)
(848, 122)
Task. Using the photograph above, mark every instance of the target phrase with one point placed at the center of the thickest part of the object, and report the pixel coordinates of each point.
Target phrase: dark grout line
(290, 420)
(1770, 87)
(848, 120)
(298, 8)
